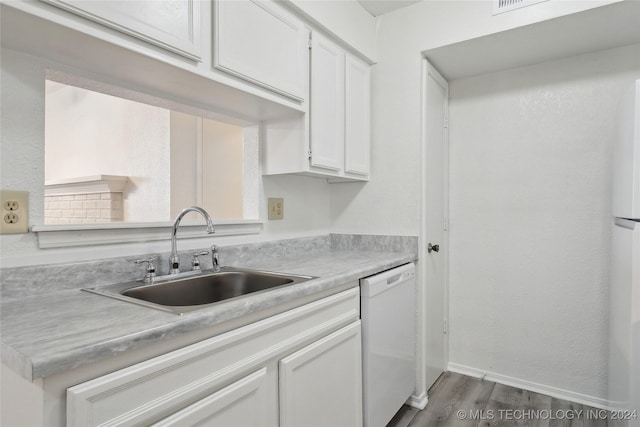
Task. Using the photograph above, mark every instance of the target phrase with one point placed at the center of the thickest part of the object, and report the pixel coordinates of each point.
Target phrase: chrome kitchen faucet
(174, 260)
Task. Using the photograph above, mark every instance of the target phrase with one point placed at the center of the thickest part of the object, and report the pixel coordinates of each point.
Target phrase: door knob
(433, 248)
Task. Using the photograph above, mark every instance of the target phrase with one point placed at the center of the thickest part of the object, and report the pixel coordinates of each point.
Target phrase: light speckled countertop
(47, 334)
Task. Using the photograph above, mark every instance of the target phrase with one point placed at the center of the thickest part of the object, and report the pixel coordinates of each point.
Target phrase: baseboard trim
(419, 402)
(531, 386)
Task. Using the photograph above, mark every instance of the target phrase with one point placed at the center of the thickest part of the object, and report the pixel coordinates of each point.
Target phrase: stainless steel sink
(199, 291)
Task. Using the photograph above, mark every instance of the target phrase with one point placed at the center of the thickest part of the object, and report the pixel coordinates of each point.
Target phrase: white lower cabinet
(300, 367)
(321, 385)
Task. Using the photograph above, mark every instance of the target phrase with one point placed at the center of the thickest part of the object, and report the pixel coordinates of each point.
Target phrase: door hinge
(445, 121)
(445, 223)
(310, 42)
(446, 327)
(310, 153)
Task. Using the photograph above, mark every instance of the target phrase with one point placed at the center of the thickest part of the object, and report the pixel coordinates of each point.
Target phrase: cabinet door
(244, 403)
(327, 104)
(357, 116)
(260, 42)
(174, 25)
(321, 384)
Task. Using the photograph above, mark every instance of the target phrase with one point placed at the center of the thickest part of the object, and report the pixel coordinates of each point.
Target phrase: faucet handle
(215, 261)
(195, 263)
(150, 269)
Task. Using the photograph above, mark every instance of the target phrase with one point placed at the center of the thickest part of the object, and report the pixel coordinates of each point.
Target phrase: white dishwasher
(388, 342)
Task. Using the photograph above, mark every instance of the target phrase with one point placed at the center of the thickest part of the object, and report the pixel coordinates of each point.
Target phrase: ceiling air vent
(500, 6)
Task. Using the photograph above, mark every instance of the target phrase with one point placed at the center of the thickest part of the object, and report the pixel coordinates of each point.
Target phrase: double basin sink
(184, 293)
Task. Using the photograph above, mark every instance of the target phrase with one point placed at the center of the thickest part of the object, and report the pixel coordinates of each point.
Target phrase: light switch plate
(276, 208)
(15, 212)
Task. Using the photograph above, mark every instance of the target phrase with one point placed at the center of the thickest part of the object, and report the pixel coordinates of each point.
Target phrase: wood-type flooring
(457, 400)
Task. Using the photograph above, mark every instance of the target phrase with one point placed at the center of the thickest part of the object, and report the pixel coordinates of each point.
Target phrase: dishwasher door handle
(394, 279)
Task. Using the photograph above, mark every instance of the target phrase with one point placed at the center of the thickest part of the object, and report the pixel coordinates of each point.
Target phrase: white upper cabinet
(253, 59)
(327, 104)
(174, 25)
(357, 117)
(333, 140)
(262, 43)
(340, 111)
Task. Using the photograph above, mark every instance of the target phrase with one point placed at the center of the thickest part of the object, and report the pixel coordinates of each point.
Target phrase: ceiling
(380, 7)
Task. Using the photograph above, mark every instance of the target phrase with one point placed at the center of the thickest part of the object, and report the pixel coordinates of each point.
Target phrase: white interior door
(434, 260)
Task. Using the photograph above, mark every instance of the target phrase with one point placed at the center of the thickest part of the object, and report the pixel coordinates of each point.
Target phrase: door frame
(429, 70)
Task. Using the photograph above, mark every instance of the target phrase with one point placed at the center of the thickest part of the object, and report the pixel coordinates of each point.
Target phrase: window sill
(59, 236)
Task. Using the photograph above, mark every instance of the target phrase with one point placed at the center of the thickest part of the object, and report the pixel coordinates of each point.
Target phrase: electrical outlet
(11, 205)
(276, 208)
(15, 212)
(11, 218)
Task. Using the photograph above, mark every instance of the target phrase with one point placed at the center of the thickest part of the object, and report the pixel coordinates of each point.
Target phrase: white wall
(224, 178)
(184, 131)
(22, 168)
(530, 201)
(435, 23)
(89, 133)
(395, 188)
(222, 169)
(306, 205)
